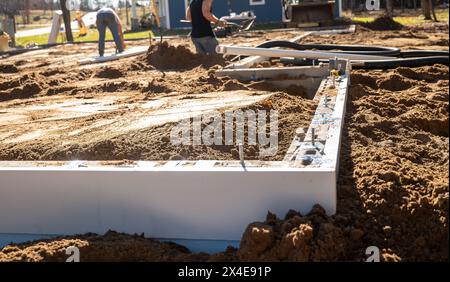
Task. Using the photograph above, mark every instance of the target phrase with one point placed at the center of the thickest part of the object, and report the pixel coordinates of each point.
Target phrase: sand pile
(393, 184)
(110, 247)
(313, 237)
(147, 143)
(165, 56)
(153, 143)
(383, 23)
(393, 188)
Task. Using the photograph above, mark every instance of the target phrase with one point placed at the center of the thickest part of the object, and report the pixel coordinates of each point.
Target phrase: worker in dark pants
(199, 13)
(106, 17)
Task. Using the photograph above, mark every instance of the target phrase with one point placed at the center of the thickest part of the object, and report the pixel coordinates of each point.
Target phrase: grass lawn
(93, 36)
(441, 14)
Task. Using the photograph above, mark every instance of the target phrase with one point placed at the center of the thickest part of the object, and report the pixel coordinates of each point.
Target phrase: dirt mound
(393, 181)
(157, 86)
(394, 83)
(357, 91)
(109, 72)
(426, 73)
(313, 237)
(110, 247)
(165, 56)
(8, 68)
(24, 91)
(383, 23)
(364, 79)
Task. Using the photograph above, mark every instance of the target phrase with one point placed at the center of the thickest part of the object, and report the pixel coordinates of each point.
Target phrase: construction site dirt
(393, 175)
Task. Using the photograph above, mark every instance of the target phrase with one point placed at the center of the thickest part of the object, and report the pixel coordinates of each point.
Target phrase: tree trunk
(66, 18)
(390, 8)
(27, 10)
(126, 12)
(433, 13)
(426, 9)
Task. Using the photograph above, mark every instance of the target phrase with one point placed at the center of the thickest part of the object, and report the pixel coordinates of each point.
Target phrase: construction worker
(81, 25)
(106, 17)
(199, 13)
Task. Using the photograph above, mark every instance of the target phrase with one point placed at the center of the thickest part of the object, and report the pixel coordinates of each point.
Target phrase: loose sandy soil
(53, 110)
(393, 184)
(424, 37)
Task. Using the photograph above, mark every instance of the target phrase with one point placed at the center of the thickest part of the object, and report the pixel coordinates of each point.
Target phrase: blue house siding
(270, 12)
(177, 12)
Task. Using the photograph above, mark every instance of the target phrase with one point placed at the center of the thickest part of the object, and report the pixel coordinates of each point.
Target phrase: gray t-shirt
(107, 11)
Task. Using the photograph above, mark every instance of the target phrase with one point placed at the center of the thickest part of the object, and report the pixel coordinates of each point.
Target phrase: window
(257, 2)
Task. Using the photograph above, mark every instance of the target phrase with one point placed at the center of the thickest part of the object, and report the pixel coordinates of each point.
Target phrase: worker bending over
(199, 13)
(106, 17)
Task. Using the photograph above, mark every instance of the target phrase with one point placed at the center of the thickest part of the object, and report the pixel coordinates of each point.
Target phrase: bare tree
(390, 8)
(27, 11)
(433, 13)
(9, 7)
(126, 12)
(426, 9)
(66, 18)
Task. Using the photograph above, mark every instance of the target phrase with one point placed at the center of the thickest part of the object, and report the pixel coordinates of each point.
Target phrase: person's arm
(206, 10)
(188, 14)
(119, 27)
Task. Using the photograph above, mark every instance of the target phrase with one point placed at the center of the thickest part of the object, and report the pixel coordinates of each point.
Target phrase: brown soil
(139, 143)
(393, 188)
(111, 246)
(383, 23)
(109, 72)
(313, 237)
(8, 68)
(393, 184)
(165, 56)
(120, 89)
(406, 39)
